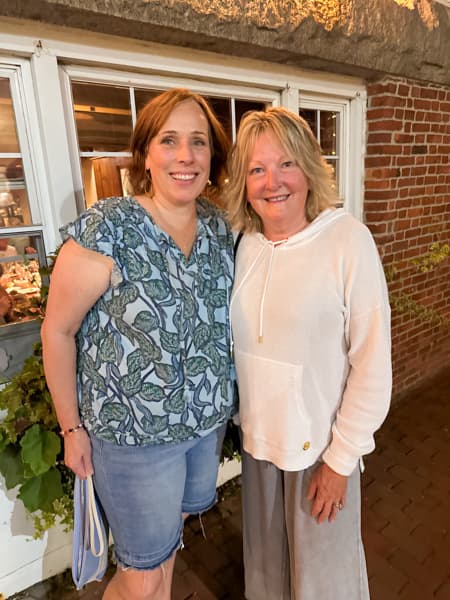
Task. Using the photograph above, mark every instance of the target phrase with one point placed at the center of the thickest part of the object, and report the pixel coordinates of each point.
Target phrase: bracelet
(65, 432)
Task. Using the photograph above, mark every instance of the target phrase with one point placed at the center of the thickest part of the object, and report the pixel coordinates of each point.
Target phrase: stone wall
(407, 207)
(367, 38)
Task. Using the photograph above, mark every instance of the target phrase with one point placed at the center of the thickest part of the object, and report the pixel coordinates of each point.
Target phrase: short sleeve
(93, 231)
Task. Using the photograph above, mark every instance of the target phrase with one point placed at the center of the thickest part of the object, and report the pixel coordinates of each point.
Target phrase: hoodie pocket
(271, 406)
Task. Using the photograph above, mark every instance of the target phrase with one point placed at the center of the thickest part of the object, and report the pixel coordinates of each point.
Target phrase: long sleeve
(367, 392)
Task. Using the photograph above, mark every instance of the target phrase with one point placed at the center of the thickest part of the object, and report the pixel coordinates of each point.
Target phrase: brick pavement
(406, 517)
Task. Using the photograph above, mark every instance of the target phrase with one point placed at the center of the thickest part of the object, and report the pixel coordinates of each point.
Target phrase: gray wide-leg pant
(287, 554)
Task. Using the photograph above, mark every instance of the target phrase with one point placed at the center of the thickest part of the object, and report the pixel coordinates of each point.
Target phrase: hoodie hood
(322, 221)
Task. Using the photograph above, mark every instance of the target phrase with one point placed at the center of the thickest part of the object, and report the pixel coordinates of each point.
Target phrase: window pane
(141, 97)
(102, 116)
(243, 106)
(14, 207)
(328, 131)
(8, 132)
(103, 177)
(310, 117)
(20, 281)
(222, 109)
(335, 165)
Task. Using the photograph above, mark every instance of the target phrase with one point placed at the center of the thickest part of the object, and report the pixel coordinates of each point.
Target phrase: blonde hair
(296, 137)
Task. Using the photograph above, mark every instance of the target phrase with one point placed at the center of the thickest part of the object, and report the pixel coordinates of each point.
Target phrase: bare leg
(130, 584)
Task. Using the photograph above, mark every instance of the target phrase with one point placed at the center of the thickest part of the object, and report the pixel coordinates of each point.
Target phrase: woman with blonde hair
(311, 327)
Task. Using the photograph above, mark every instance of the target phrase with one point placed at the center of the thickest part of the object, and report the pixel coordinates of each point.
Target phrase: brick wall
(407, 208)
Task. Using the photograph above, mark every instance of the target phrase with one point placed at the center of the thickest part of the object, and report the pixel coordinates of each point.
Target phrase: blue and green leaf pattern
(154, 362)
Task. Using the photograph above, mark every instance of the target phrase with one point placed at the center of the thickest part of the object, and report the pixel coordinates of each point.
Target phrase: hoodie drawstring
(266, 283)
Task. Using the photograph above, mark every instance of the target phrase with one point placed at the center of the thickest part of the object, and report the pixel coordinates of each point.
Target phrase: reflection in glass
(8, 133)
(222, 109)
(335, 166)
(243, 106)
(102, 116)
(310, 117)
(328, 132)
(20, 280)
(14, 207)
(104, 177)
(141, 97)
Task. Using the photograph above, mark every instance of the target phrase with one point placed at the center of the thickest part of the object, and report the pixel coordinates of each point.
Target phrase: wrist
(71, 430)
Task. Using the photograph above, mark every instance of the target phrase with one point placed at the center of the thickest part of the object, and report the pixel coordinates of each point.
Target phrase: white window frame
(16, 75)
(145, 63)
(350, 139)
(32, 150)
(69, 73)
(309, 102)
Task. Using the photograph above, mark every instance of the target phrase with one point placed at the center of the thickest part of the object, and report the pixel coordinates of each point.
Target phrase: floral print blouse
(153, 359)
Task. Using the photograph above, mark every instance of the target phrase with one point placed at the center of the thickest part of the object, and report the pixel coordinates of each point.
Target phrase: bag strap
(94, 520)
(237, 241)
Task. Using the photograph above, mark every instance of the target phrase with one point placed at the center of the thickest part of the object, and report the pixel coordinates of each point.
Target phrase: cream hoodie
(311, 327)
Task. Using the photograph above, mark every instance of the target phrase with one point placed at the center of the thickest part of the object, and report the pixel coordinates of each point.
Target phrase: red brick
(379, 568)
(379, 113)
(378, 138)
(443, 592)
(385, 125)
(381, 88)
(380, 194)
(403, 90)
(378, 161)
(411, 591)
(422, 104)
(403, 138)
(428, 93)
(386, 101)
(402, 560)
(421, 127)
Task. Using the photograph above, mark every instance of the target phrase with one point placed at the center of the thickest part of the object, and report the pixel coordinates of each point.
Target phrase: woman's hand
(327, 491)
(78, 453)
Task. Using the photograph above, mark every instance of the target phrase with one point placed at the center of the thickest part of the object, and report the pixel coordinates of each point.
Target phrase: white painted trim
(357, 146)
(172, 61)
(228, 470)
(223, 89)
(61, 205)
(351, 144)
(16, 76)
(72, 140)
(289, 97)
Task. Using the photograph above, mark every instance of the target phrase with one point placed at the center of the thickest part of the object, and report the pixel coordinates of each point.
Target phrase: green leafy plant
(31, 450)
(31, 456)
(231, 448)
(404, 302)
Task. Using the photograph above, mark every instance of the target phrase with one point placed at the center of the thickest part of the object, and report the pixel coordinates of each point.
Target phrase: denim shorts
(145, 489)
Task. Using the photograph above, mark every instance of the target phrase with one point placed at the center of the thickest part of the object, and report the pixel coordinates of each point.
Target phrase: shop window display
(20, 279)
(21, 252)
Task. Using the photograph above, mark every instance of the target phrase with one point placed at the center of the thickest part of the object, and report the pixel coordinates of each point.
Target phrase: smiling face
(179, 156)
(277, 188)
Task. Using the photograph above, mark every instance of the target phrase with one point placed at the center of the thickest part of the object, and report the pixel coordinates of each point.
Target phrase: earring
(209, 183)
(148, 182)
